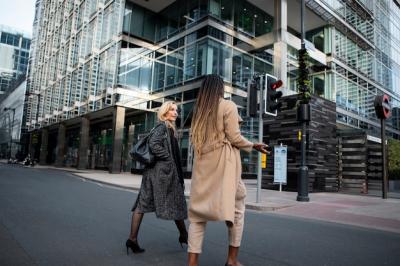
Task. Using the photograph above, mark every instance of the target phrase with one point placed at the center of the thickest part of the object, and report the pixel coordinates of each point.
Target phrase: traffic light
(272, 95)
(252, 101)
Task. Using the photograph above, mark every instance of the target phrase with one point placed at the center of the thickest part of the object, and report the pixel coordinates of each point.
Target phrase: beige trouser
(235, 231)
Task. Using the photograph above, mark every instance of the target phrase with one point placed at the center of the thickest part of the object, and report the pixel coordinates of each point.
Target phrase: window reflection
(155, 71)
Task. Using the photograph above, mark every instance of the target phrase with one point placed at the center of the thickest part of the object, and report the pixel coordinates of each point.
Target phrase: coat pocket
(241, 191)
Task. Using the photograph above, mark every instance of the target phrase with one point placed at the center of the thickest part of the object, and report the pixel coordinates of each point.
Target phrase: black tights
(137, 220)
(135, 225)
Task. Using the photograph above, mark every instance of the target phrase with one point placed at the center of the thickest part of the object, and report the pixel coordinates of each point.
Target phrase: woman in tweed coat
(162, 188)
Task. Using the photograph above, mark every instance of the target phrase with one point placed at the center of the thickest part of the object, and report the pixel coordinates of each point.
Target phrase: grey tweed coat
(161, 191)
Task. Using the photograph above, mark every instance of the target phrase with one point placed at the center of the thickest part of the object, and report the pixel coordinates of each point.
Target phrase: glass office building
(363, 51)
(14, 54)
(12, 121)
(99, 69)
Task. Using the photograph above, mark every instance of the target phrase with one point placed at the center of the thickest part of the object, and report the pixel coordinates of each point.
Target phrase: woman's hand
(260, 147)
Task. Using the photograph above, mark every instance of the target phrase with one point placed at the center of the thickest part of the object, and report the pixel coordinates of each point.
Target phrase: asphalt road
(49, 217)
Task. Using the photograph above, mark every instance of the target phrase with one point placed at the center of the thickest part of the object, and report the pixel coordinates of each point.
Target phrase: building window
(9, 39)
(26, 43)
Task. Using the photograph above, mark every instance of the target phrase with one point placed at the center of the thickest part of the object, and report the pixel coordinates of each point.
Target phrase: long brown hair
(206, 110)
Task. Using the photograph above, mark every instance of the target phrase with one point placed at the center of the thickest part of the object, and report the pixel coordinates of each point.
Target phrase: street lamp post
(11, 128)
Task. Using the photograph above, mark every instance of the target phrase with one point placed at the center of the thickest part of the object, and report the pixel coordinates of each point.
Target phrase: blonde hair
(162, 113)
(206, 110)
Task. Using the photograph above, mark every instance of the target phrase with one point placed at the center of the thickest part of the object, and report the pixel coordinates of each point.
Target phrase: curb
(106, 183)
(135, 189)
(254, 207)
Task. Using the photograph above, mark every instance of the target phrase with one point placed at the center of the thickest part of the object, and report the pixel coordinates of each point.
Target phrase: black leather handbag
(141, 150)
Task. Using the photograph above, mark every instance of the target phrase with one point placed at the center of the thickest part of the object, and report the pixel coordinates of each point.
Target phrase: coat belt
(216, 145)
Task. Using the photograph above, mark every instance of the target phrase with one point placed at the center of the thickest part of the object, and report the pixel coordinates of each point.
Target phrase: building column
(43, 146)
(127, 157)
(60, 145)
(84, 143)
(31, 151)
(33, 143)
(280, 44)
(117, 135)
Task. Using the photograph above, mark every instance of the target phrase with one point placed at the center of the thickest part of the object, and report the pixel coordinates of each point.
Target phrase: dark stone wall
(321, 144)
(360, 162)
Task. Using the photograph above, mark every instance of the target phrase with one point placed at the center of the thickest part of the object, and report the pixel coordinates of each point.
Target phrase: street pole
(302, 186)
(383, 112)
(384, 161)
(260, 139)
(303, 34)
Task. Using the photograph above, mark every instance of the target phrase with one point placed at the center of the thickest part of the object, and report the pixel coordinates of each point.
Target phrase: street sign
(382, 106)
(280, 164)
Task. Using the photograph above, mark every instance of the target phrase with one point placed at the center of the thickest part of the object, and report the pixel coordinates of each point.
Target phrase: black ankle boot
(134, 246)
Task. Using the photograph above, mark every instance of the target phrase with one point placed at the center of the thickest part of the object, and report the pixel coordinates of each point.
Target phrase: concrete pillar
(31, 145)
(280, 45)
(84, 143)
(127, 157)
(43, 146)
(117, 135)
(34, 140)
(60, 145)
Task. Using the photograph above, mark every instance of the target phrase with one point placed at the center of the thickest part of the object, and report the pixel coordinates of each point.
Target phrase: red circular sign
(382, 106)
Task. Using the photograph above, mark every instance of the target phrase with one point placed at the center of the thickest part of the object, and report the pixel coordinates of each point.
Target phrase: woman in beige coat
(217, 190)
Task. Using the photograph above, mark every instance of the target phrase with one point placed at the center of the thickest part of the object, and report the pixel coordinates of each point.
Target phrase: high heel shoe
(183, 239)
(134, 246)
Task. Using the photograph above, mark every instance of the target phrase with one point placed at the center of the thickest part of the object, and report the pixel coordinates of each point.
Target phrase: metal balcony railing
(361, 9)
(329, 15)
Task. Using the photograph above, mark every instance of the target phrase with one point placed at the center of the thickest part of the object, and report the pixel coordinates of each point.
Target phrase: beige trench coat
(216, 175)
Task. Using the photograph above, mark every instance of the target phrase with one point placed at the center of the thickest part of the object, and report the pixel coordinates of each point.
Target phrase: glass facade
(187, 59)
(14, 54)
(181, 14)
(75, 55)
(184, 56)
(356, 74)
(11, 121)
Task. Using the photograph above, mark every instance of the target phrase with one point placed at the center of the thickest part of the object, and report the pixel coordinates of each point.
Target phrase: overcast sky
(17, 14)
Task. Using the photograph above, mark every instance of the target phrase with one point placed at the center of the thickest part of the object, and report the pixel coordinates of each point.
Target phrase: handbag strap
(168, 139)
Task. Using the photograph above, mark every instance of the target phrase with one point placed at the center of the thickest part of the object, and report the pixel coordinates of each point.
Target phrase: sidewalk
(359, 210)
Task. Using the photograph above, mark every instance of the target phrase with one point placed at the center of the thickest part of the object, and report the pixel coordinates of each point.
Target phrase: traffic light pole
(303, 171)
(302, 180)
(260, 139)
(262, 84)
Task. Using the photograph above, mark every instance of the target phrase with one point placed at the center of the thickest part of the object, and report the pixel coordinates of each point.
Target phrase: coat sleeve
(156, 142)
(232, 130)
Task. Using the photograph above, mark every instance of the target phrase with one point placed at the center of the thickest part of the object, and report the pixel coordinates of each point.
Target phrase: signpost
(280, 165)
(383, 112)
